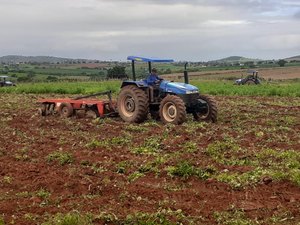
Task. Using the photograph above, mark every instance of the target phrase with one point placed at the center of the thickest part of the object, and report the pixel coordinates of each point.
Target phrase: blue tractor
(166, 101)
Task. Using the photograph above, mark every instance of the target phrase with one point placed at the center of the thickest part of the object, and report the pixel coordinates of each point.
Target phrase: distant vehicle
(250, 79)
(4, 82)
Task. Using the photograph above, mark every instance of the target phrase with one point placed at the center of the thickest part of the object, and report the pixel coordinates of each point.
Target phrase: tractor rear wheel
(250, 82)
(211, 113)
(65, 109)
(172, 110)
(133, 104)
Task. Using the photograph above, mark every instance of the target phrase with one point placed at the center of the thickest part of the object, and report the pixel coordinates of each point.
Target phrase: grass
(211, 87)
(291, 89)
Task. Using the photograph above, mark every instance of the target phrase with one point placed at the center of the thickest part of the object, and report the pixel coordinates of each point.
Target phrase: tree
(117, 72)
(52, 78)
(282, 62)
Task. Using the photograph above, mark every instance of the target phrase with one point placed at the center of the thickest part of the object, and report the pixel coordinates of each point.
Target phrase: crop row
(289, 89)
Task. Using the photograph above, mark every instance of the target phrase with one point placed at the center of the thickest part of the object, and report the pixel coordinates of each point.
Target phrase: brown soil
(27, 139)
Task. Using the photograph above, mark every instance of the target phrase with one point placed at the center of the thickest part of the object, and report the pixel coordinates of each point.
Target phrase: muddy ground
(195, 173)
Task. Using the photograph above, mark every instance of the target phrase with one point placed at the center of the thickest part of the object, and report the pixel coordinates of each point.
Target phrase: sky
(191, 30)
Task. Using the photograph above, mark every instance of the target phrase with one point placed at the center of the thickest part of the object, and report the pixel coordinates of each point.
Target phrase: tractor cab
(165, 100)
(4, 82)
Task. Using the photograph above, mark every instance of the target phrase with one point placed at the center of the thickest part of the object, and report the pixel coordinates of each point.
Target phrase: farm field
(276, 73)
(245, 169)
(212, 87)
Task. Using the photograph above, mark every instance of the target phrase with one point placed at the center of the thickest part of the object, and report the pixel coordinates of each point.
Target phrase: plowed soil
(110, 173)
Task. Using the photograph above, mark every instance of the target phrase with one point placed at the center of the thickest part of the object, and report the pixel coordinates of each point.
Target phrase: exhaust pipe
(185, 73)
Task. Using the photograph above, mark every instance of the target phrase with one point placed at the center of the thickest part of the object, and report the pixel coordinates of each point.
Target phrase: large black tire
(211, 114)
(250, 82)
(65, 109)
(133, 105)
(172, 110)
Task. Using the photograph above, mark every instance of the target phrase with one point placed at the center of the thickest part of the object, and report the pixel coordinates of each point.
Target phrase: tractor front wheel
(172, 110)
(133, 105)
(211, 111)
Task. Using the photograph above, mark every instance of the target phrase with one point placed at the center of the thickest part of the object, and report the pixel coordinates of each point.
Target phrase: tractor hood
(178, 88)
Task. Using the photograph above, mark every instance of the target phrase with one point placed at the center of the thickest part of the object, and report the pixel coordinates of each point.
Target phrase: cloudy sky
(196, 30)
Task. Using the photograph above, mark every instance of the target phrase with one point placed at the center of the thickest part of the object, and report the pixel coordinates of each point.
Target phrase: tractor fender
(140, 84)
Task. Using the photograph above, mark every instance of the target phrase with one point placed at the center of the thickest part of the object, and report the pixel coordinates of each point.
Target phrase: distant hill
(39, 59)
(296, 58)
(233, 59)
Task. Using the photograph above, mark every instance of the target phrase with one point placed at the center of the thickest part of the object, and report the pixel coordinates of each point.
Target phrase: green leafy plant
(109, 142)
(234, 217)
(72, 218)
(135, 128)
(150, 146)
(190, 147)
(185, 170)
(227, 152)
(42, 193)
(61, 157)
(7, 179)
(240, 180)
(135, 175)
(2, 221)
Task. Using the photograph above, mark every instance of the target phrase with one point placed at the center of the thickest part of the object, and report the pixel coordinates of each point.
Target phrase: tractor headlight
(192, 92)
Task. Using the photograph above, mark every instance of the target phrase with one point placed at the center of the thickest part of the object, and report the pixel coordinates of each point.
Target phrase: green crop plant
(234, 217)
(284, 217)
(135, 175)
(61, 157)
(120, 141)
(185, 169)
(152, 166)
(212, 87)
(22, 155)
(96, 143)
(123, 166)
(97, 168)
(135, 128)
(280, 164)
(31, 217)
(107, 218)
(190, 147)
(72, 218)
(161, 217)
(43, 194)
(7, 179)
(110, 142)
(240, 180)
(151, 145)
(227, 152)
(191, 127)
(2, 221)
